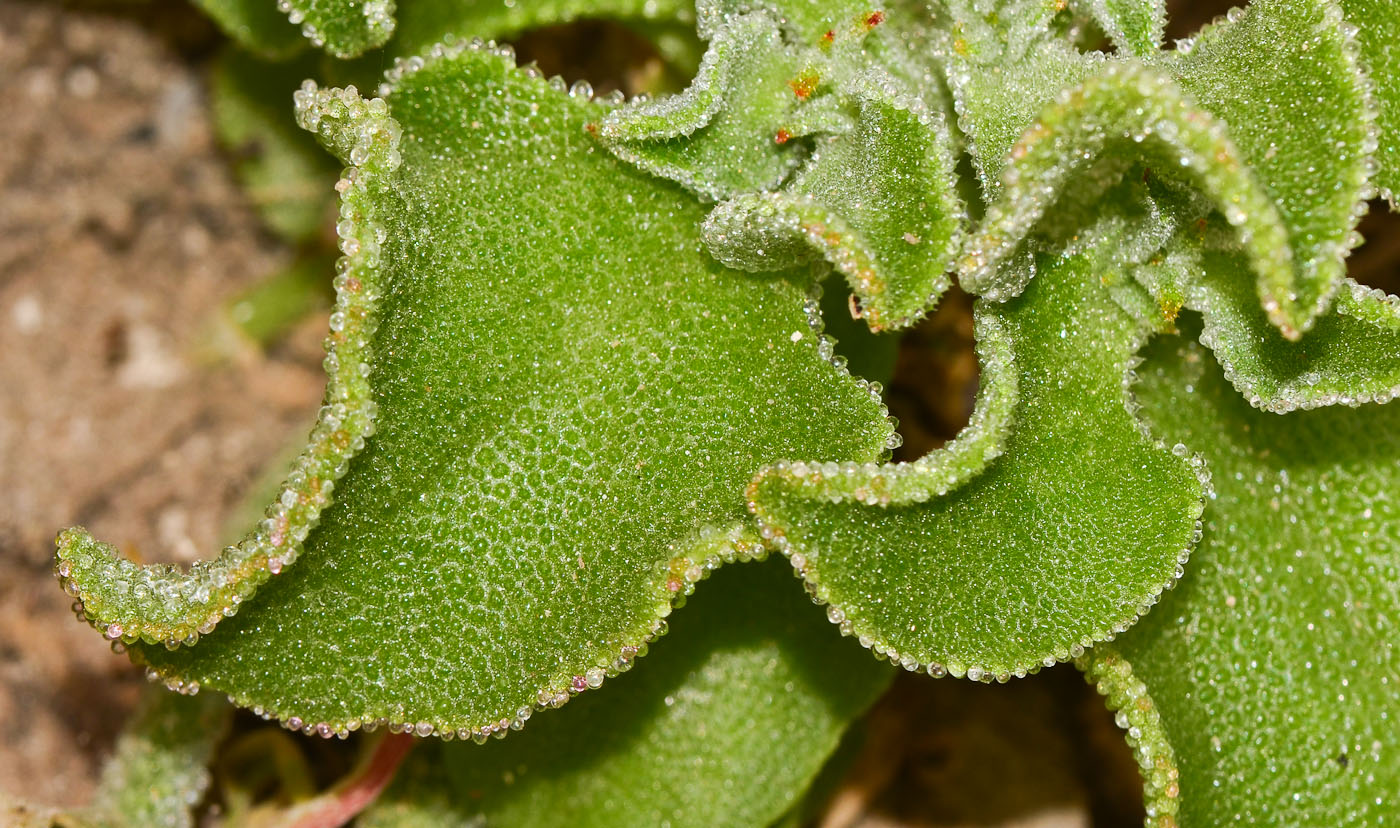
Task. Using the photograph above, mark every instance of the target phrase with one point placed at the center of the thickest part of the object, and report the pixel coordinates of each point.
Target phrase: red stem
(353, 794)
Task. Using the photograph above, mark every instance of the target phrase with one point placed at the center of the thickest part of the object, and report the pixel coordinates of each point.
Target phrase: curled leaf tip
(964, 563)
(716, 137)
(359, 131)
(160, 603)
(344, 28)
(556, 463)
(1144, 109)
(1350, 356)
(1141, 720)
(878, 202)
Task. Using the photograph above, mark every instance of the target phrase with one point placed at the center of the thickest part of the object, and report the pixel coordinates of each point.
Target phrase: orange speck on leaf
(874, 19)
(782, 137)
(805, 84)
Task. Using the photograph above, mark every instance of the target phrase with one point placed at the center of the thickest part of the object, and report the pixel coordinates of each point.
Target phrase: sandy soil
(121, 234)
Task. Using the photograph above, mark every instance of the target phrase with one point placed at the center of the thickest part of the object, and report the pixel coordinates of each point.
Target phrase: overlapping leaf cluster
(577, 363)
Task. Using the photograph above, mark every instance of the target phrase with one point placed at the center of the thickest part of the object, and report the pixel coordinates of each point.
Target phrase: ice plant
(577, 363)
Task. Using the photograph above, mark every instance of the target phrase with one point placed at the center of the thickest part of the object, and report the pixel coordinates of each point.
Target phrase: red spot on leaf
(805, 84)
(782, 137)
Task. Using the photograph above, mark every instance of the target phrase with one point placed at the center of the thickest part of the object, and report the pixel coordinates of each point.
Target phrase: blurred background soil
(121, 234)
(123, 237)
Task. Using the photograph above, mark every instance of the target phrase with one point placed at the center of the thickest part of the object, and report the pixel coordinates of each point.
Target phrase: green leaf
(1114, 218)
(257, 25)
(727, 724)
(718, 137)
(812, 22)
(877, 197)
(1146, 734)
(988, 33)
(1379, 38)
(1261, 162)
(1351, 356)
(285, 174)
(159, 603)
(1272, 665)
(1124, 112)
(344, 28)
(1136, 26)
(563, 430)
(1051, 522)
(996, 103)
(158, 772)
(1304, 131)
(879, 203)
(771, 78)
(422, 23)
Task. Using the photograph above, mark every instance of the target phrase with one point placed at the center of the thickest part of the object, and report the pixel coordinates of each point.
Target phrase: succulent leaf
(1136, 26)
(422, 23)
(813, 22)
(990, 557)
(159, 603)
(718, 137)
(885, 217)
(1277, 650)
(1125, 110)
(1350, 356)
(726, 724)
(1258, 168)
(344, 28)
(159, 771)
(997, 103)
(879, 203)
(1304, 131)
(550, 375)
(1379, 39)
(1135, 713)
(997, 32)
(523, 519)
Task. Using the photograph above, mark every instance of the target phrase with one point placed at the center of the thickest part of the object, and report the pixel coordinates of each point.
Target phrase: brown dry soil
(121, 235)
(122, 239)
